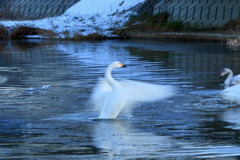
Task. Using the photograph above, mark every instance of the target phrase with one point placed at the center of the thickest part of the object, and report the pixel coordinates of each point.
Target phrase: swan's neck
(229, 77)
(110, 80)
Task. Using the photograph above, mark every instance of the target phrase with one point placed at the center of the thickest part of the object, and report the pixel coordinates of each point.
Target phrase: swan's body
(231, 94)
(109, 96)
(230, 79)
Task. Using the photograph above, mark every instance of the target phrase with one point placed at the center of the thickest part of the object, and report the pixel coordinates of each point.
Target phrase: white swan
(230, 79)
(110, 96)
(231, 94)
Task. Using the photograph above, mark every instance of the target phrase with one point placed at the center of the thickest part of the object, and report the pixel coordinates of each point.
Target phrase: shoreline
(211, 36)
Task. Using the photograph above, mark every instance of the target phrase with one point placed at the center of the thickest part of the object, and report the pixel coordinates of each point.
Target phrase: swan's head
(116, 64)
(224, 72)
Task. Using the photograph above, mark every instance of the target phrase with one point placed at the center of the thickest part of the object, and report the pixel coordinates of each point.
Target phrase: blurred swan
(230, 79)
(109, 96)
(231, 94)
(2, 79)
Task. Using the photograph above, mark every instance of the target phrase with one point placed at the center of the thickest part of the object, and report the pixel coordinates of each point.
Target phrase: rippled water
(44, 114)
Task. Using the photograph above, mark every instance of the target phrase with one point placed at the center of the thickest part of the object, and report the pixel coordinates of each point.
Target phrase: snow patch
(85, 17)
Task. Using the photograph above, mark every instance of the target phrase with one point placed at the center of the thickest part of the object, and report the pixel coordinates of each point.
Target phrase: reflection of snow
(232, 116)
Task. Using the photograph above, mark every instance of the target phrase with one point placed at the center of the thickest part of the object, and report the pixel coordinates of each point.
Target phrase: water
(43, 102)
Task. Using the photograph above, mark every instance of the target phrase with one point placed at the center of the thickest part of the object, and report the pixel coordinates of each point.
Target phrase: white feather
(236, 79)
(231, 94)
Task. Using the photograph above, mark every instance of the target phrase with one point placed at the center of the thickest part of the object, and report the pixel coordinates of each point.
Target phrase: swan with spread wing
(109, 96)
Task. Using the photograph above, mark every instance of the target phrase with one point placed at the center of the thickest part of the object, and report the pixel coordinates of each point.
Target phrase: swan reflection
(232, 115)
(117, 137)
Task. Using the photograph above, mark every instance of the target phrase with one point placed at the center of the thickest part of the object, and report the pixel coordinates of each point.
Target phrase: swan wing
(141, 91)
(113, 104)
(236, 79)
(100, 94)
(231, 94)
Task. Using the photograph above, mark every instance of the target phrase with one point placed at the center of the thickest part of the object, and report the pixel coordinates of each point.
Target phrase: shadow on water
(47, 84)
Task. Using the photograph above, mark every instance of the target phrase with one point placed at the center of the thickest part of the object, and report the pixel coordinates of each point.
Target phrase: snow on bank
(85, 17)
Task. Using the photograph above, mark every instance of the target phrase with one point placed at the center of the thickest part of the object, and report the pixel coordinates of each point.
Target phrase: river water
(45, 86)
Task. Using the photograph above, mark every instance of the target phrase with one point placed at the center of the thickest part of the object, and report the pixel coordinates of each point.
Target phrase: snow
(85, 17)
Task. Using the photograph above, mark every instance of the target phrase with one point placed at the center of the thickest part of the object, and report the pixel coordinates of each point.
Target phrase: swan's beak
(122, 65)
(221, 75)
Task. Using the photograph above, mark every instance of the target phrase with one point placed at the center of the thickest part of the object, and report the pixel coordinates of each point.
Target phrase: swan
(109, 96)
(231, 94)
(230, 79)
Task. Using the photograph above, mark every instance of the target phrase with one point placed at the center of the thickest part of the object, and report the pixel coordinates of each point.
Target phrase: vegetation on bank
(156, 23)
(20, 31)
(138, 23)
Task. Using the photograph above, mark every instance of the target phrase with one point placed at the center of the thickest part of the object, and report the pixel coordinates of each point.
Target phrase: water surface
(45, 115)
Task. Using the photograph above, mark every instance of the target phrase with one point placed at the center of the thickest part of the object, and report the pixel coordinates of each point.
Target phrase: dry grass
(21, 31)
(143, 22)
(92, 36)
(231, 25)
(120, 32)
(46, 33)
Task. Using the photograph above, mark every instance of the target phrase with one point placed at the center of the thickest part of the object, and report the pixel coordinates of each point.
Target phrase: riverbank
(158, 26)
(212, 36)
(111, 20)
(85, 18)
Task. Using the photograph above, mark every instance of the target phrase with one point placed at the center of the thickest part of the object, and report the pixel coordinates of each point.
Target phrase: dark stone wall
(203, 13)
(33, 9)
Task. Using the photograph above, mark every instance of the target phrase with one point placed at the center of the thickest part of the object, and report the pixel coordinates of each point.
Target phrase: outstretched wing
(133, 91)
(99, 94)
(141, 91)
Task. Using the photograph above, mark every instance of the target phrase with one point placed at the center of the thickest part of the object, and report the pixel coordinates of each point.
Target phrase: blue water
(44, 112)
